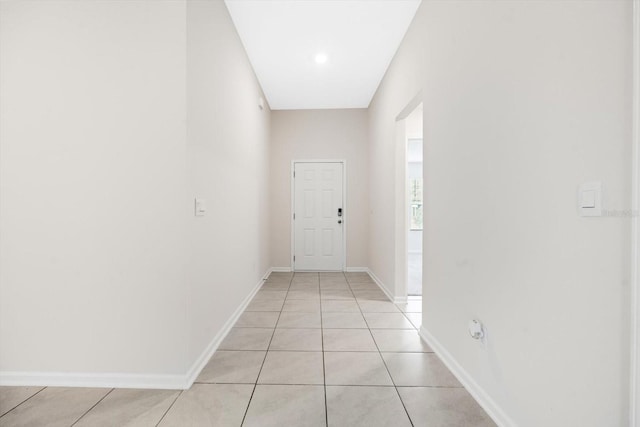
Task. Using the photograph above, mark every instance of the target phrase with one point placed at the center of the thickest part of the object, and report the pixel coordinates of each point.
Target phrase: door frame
(401, 232)
(345, 211)
(634, 389)
(408, 211)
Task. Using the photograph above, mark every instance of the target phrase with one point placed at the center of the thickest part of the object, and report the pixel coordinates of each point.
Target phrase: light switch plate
(590, 199)
(200, 207)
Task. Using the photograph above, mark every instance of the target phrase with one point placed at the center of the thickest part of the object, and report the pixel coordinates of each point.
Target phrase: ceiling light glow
(321, 58)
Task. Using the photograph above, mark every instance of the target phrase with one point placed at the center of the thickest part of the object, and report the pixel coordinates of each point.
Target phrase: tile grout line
(328, 351)
(385, 363)
(321, 291)
(344, 385)
(246, 411)
(93, 406)
(324, 372)
(28, 398)
(169, 408)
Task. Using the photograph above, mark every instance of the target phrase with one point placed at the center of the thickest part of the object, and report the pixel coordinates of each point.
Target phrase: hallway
(311, 349)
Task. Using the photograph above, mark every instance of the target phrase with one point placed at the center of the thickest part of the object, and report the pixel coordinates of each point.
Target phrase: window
(415, 199)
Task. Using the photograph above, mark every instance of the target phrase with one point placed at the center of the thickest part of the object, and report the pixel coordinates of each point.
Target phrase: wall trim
(410, 106)
(380, 284)
(383, 287)
(92, 379)
(401, 209)
(122, 380)
(357, 269)
(634, 383)
(201, 361)
(479, 394)
(401, 198)
(280, 270)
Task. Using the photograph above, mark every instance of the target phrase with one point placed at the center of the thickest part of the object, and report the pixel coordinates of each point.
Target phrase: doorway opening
(414, 201)
(409, 202)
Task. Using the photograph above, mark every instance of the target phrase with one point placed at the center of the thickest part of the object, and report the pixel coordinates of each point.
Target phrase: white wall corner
(120, 380)
(201, 362)
(380, 284)
(634, 392)
(490, 406)
(388, 293)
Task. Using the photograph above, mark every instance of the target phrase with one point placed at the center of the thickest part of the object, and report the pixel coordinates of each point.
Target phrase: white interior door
(318, 216)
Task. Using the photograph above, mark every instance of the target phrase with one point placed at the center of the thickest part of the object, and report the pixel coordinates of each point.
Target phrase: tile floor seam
(386, 367)
(246, 411)
(324, 370)
(170, 406)
(432, 386)
(94, 405)
(252, 410)
(37, 392)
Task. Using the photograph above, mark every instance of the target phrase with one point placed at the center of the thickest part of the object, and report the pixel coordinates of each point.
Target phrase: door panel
(318, 230)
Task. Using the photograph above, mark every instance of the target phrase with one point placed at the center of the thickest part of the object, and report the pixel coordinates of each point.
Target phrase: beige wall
(523, 101)
(104, 269)
(93, 200)
(227, 153)
(320, 134)
(114, 117)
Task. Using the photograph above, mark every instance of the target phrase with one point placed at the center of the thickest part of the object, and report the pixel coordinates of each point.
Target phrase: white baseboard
(347, 269)
(381, 285)
(488, 404)
(119, 380)
(356, 270)
(92, 379)
(200, 363)
(280, 269)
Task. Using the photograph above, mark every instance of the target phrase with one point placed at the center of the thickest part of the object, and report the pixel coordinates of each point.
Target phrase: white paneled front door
(318, 216)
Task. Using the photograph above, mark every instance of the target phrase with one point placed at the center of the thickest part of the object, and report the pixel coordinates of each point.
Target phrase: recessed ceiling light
(321, 58)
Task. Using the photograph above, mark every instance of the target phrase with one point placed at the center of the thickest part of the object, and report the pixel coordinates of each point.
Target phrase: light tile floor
(312, 349)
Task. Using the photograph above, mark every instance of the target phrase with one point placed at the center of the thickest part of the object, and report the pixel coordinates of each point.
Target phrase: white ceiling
(283, 37)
